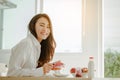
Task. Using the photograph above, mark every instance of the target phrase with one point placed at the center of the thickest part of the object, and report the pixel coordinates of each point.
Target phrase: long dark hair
(48, 45)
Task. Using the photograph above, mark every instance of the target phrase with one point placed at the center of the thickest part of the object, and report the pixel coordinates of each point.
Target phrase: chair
(4, 61)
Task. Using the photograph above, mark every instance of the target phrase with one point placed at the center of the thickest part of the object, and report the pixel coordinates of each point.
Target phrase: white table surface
(53, 78)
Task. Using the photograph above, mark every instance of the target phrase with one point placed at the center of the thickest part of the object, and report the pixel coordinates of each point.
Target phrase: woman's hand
(57, 65)
(47, 67)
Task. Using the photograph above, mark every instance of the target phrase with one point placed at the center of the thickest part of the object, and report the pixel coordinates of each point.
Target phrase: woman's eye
(41, 25)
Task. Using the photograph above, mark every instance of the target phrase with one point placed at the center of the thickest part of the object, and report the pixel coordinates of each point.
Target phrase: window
(15, 22)
(112, 38)
(66, 19)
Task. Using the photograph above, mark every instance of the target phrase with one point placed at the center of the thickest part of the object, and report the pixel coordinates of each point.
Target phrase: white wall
(1, 27)
(72, 60)
(92, 32)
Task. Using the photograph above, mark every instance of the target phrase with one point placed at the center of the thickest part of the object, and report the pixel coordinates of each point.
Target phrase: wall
(1, 27)
(92, 32)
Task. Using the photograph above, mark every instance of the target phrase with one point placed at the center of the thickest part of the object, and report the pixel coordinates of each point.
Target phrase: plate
(60, 75)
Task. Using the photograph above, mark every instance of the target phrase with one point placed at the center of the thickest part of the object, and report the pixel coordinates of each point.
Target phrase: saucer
(60, 75)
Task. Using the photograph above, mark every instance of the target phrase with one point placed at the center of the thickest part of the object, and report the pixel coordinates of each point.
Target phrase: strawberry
(84, 70)
(73, 70)
(78, 75)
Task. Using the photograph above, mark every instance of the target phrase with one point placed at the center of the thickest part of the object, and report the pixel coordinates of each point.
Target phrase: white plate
(60, 75)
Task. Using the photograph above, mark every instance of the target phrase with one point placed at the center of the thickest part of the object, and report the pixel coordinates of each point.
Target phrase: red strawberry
(84, 70)
(73, 70)
(78, 75)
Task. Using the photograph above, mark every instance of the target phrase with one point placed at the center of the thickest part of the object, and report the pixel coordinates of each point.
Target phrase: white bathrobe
(24, 57)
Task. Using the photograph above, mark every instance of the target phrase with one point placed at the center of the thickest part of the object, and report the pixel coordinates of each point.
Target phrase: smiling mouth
(43, 33)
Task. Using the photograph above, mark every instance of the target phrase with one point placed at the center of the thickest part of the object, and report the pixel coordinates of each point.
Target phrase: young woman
(32, 55)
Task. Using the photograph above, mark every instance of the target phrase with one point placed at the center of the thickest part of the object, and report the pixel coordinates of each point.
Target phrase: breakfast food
(84, 70)
(78, 75)
(57, 65)
(79, 72)
(73, 70)
(76, 72)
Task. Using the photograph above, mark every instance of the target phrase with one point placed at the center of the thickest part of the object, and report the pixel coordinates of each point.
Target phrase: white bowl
(73, 74)
(84, 75)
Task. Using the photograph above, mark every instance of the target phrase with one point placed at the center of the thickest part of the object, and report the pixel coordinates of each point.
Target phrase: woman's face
(42, 29)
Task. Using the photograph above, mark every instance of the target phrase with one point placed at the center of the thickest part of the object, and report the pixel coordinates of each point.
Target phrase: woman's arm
(19, 56)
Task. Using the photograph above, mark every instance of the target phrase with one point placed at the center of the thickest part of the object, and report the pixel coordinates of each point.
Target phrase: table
(41, 78)
(53, 78)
